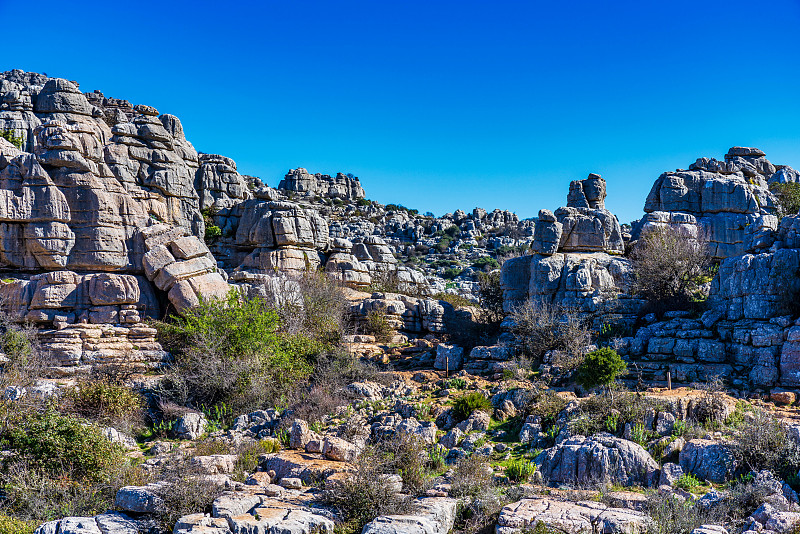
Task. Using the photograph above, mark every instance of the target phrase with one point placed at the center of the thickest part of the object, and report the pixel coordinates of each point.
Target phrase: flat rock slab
(303, 465)
(569, 517)
(433, 515)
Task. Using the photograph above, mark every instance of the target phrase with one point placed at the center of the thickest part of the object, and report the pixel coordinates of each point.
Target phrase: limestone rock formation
(600, 458)
(302, 183)
(576, 262)
(568, 517)
(718, 199)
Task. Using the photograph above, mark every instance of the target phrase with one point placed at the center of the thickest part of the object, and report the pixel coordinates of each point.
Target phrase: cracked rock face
(721, 200)
(569, 517)
(600, 458)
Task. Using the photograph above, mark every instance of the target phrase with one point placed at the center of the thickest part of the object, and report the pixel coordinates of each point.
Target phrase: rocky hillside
(188, 349)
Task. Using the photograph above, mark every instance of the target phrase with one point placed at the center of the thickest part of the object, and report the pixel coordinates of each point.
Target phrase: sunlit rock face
(724, 201)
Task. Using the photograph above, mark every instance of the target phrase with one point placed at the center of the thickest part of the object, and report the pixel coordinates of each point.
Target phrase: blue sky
(441, 105)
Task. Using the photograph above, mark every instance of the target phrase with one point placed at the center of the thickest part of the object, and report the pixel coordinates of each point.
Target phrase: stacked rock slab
(721, 200)
(301, 183)
(274, 236)
(577, 262)
(410, 314)
(181, 265)
(97, 317)
(344, 266)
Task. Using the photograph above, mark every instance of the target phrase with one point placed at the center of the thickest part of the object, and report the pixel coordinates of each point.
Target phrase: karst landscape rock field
(189, 349)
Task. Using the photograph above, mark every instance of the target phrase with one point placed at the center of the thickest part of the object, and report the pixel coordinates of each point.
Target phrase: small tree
(669, 267)
(788, 196)
(600, 368)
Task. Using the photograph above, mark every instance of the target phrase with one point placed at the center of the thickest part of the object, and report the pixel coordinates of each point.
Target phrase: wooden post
(669, 380)
(447, 365)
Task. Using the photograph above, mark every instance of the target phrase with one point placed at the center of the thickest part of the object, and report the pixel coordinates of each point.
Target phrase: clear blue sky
(441, 105)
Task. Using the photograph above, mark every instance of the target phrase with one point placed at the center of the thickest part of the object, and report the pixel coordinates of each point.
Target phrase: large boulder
(709, 460)
(599, 459)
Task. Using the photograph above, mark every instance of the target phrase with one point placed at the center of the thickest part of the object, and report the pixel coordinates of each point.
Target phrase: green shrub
(378, 325)
(61, 444)
(12, 525)
(212, 232)
(443, 244)
(788, 198)
(763, 442)
(464, 405)
(452, 272)
(233, 352)
(247, 460)
(106, 402)
(597, 412)
(669, 515)
(238, 326)
(688, 482)
(520, 470)
(455, 301)
(455, 383)
(600, 368)
(15, 343)
(9, 136)
(486, 263)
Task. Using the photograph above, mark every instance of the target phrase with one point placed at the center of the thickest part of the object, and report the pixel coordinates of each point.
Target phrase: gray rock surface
(569, 517)
(599, 459)
(709, 460)
(431, 515)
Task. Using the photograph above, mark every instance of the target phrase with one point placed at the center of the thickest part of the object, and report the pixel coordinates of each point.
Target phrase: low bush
(711, 407)
(452, 272)
(471, 476)
(27, 362)
(669, 268)
(464, 405)
(601, 367)
(58, 465)
(547, 405)
(486, 263)
(248, 454)
(12, 525)
(63, 445)
(456, 301)
(235, 353)
(669, 515)
(365, 494)
(763, 442)
(788, 196)
(688, 482)
(624, 407)
(378, 325)
(520, 470)
(491, 296)
(323, 391)
(186, 492)
(106, 402)
(12, 138)
(540, 327)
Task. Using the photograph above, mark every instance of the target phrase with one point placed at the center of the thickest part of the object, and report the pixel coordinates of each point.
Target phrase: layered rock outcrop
(302, 183)
(577, 262)
(720, 200)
